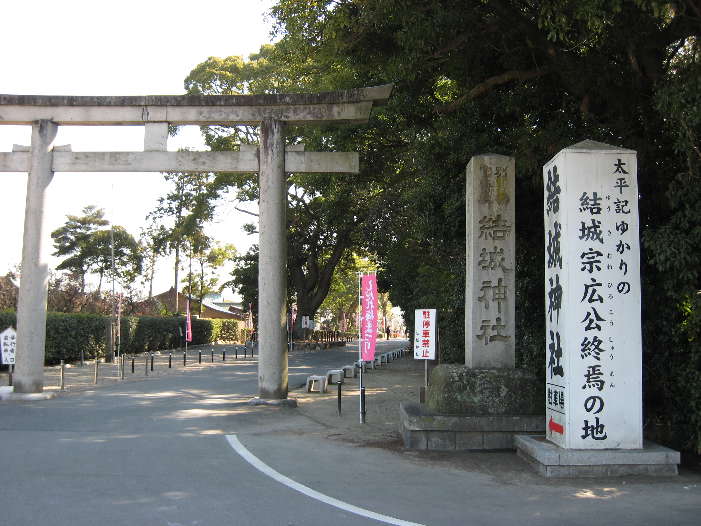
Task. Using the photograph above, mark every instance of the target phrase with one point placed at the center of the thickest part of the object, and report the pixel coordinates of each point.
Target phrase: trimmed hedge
(68, 334)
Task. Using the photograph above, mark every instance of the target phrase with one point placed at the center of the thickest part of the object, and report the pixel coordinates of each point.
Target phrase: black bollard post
(151, 361)
(199, 356)
(170, 360)
(236, 353)
(362, 405)
(212, 356)
(340, 383)
(184, 358)
(223, 355)
(132, 364)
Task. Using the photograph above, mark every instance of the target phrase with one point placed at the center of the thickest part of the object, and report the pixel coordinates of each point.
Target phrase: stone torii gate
(270, 112)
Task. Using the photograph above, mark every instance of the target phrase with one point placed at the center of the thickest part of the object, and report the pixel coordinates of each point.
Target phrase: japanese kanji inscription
(489, 289)
(592, 298)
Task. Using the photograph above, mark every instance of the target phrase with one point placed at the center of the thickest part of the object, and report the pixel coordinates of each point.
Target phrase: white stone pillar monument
(272, 270)
(592, 298)
(490, 284)
(31, 305)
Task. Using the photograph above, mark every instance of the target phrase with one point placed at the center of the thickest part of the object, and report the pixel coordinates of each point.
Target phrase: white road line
(264, 468)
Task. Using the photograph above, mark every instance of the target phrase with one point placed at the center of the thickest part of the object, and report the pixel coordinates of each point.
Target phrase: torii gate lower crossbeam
(272, 162)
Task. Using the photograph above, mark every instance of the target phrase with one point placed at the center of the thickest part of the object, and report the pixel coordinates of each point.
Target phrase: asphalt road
(159, 452)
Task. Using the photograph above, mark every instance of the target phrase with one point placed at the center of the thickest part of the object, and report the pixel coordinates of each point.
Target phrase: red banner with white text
(368, 316)
(188, 324)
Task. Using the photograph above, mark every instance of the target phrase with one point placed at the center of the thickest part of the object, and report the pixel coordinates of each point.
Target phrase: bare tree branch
(487, 85)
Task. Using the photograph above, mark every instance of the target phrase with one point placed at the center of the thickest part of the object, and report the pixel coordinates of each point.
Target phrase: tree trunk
(177, 266)
(201, 285)
(151, 274)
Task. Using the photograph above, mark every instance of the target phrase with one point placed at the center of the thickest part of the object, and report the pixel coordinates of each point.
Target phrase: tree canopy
(522, 78)
(88, 249)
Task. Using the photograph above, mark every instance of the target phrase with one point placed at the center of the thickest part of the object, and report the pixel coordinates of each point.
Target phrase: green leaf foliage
(525, 79)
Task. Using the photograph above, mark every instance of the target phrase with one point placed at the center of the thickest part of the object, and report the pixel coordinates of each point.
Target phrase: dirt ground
(385, 387)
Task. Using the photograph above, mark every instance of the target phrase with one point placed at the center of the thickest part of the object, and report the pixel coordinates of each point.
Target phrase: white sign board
(8, 344)
(592, 299)
(305, 322)
(425, 334)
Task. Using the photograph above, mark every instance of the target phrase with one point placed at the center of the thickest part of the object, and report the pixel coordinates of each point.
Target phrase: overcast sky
(83, 47)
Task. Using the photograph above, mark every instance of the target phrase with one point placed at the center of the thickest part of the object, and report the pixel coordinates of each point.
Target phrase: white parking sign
(425, 334)
(8, 343)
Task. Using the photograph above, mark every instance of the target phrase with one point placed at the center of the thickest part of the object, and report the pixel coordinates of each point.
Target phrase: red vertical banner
(368, 316)
(188, 323)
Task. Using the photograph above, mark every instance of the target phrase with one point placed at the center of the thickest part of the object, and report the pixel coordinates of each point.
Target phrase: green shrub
(229, 331)
(69, 334)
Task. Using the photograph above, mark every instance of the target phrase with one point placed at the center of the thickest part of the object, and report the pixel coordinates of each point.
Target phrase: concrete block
(415, 440)
(552, 461)
(498, 440)
(316, 380)
(334, 376)
(470, 432)
(349, 371)
(440, 440)
(469, 440)
(531, 447)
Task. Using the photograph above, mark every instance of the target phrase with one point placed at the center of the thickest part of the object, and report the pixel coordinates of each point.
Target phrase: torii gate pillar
(31, 304)
(272, 263)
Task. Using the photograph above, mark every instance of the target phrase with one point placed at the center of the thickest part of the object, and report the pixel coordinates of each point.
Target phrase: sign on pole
(368, 317)
(188, 324)
(592, 295)
(305, 322)
(8, 344)
(425, 334)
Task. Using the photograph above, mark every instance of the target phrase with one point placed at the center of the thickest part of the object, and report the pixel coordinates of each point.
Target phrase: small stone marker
(489, 288)
(8, 344)
(592, 298)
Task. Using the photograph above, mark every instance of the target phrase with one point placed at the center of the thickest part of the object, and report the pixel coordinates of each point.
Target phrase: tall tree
(244, 279)
(341, 303)
(114, 252)
(179, 214)
(100, 251)
(73, 241)
(325, 211)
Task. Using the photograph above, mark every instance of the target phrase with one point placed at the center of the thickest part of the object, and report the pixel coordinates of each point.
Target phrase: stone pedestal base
(7, 393)
(552, 461)
(422, 429)
(461, 390)
(283, 402)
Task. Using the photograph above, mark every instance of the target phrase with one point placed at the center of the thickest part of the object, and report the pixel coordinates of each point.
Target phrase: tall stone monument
(490, 284)
(484, 403)
(592, 295)
(593, 329)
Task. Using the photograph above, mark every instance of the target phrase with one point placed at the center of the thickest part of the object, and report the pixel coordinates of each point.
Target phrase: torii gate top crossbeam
(351, 106)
